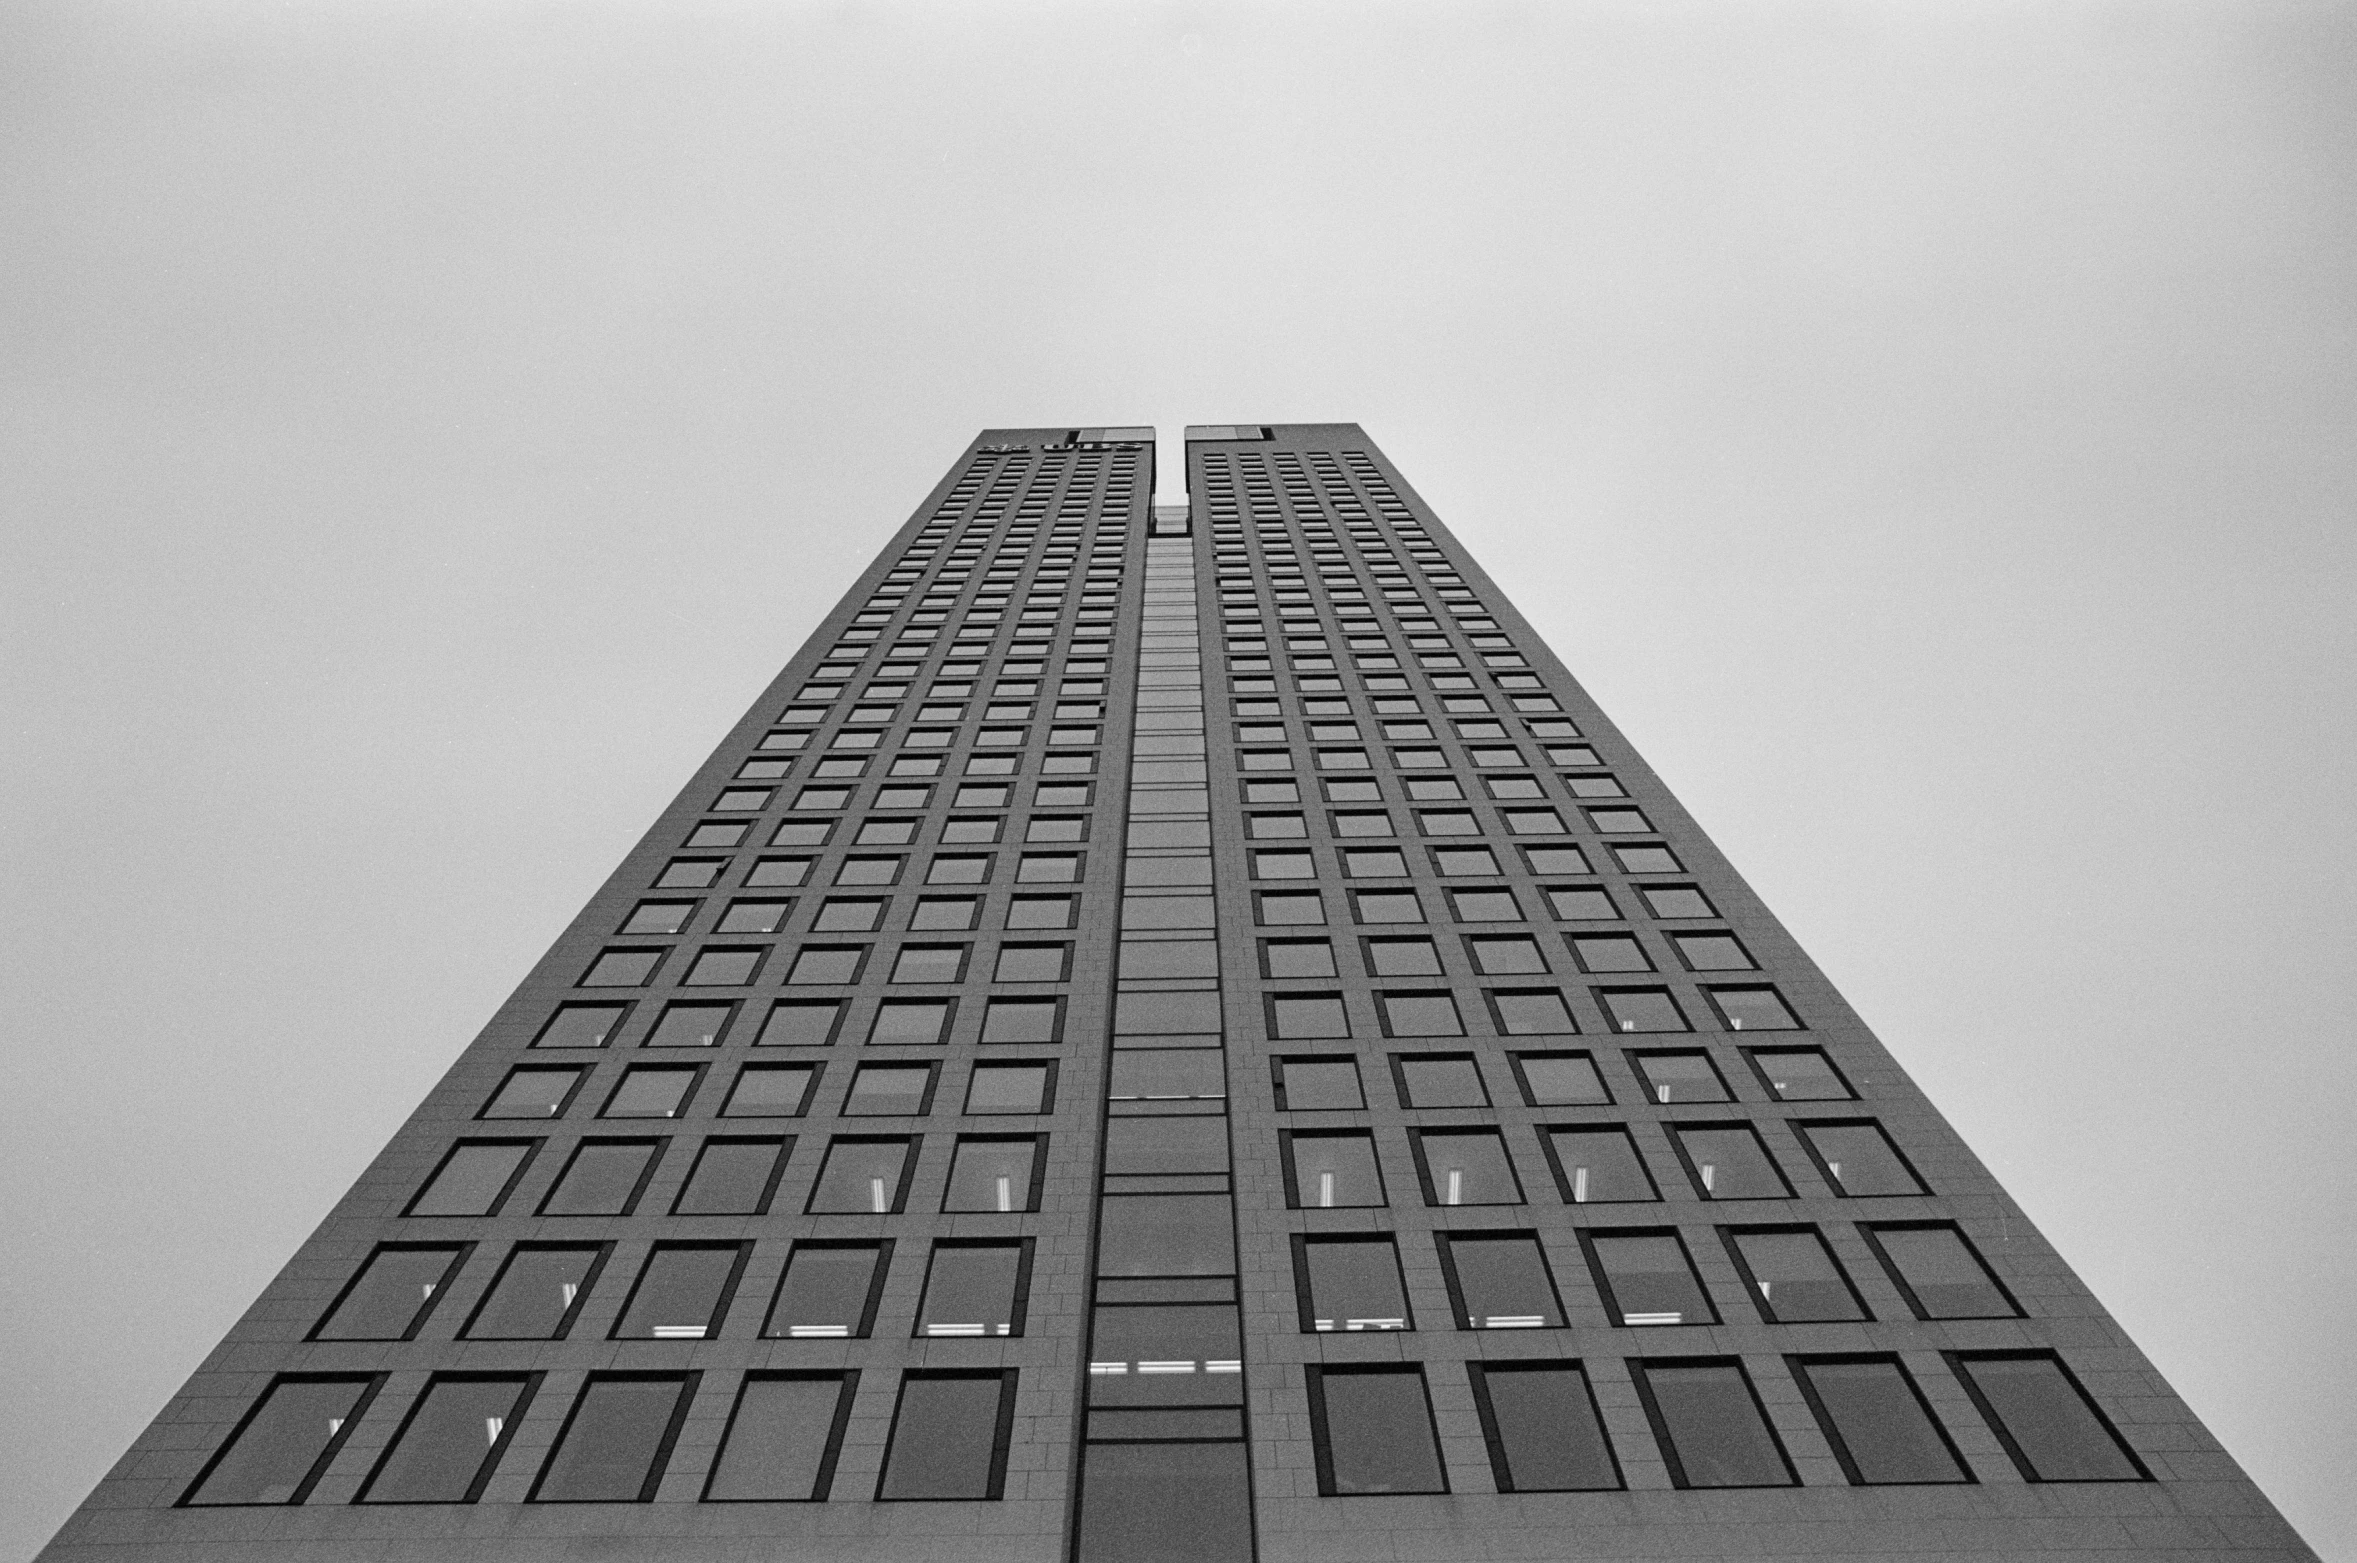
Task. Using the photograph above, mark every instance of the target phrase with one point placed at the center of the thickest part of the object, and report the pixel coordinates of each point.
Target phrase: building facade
(1174, 1035)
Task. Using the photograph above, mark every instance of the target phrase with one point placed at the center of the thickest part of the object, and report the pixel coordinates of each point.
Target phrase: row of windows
(1373, 1431)
(817, 964)
(1330, 1082)
(1294, 1017)
(801, 1022)
(835, 914)
(899, 1089)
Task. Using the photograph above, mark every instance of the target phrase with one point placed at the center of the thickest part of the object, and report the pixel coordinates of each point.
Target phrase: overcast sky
(1927, 429)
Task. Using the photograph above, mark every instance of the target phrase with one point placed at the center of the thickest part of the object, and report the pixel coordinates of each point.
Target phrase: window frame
(1478, 1373)
(528, 1387)
(460, 1253)
(1798, 1363)
(599, 1253)
(371, 1385)
(532, 1147)
(877, 1275)
(1640, 1370)
(1001, 1441)
(846, 1381)
(1957, 1360)
(657, 1145)
(658, 1464)
(777, 1171)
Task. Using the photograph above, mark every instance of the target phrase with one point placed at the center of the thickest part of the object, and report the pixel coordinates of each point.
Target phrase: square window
(975, 1289)
(719, 966)
(950, 1435)
(1302, 1015)
(652, 1091)
(1420, 1014)
(994, 1173)
(826, 963)
(1506, 955)
(890, 1090)
(1349, 1283)
(658, 917)
(690, 1025)
(781, 1439)
(1646, 1278)
(1792, 1276)
(1485, 906)
(1438, 1080)
(603, 1178)
(1318, 1084)
(1011, 1088)
(682, 1291)
(801, 1023)
(1727, 1161)
(1464, 1167)
(1032, 963)
(829, 1291)
(1675, 901)
(1560, 1080)
(778, 873)
(1296, 958)
(1013, 1020)
(1581, 903)
(1388, 906)
(1641, 1009)
(1331, 1171)
(863, 1175)
(911, 1022)
(622, 969)
(1599, 1167)
(690, 873)
(1282, 908)
(869, 871)
(1680, 1077)
(581, 1025)
(1045, 868)
(770, 1091)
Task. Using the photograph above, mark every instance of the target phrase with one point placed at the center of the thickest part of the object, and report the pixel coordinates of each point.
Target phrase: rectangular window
(1499, 1281)
(732, 1177)
(1580, 903)
(782, 1438)
(1166, 1146)
(534, 1091)
(949, 1437)
(1598, 1166)
(1318, 1084)
(658, 917)
(1647, 1278)
(1290, 908)
(801, 1023)
(1641, 1009)
(581, 1025)
(1881, 1428)
(1011, 1020)
(392, 1293)
(724, 967)
(682, 1291)
(847, 914)
(1799, 1074)
(1278, 957)
(770, 1091)
(1401, 957)
(690, 1025)
(617, 1439)
(1712, 952)
(1752, 1009)
(280, 1449)
(1609, 952)
(1713, 1430)
(995, 1172)
(1791, 1275)
(447, 1447)
(1298, 1016)
(1168, 1235)
(1331, 1171)
(1438, 1080)
(1485, 906)
(1559, 1080)
(930, 963)
(1858, 1159)
(1680, 1077)
(653, 1091)
(826, 964)
(2049, 1426)
(1041, 911)
(1387, 906)
(937, 913)
(1939, 1273)
(976, 1289)
(622, 969)
(1542, 1427)
(1372, 1428)
(474, 1179)
(864, 1176)
(1032, 963)
(829, 1291)
(1727, 1161)
(537, 1293)
(1464, 1167)
(1432, 1014)
(891, 1090)
(1011, 1088)
(1465, 862)
(911, 1022)
(1506, 955)
(603, 1178)
(1531, 1012)
(1350, 1283)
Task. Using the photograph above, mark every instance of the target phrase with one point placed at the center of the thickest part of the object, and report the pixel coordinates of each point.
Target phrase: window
(1283, 865)
(1374, 863)
(1032, 962)
(1165, 1235)
(1791, 1275)
(995, 1172)
(1022, 1020)
(1559, 1080)
(1727, 1161)
(770, 1091)
(285, 1443)
(1881, 1428)
(616, 1440)
(826, 963)
(829, 1291)
(1293, 1016)
(1939, 1273)
(1259, 827)
(1278, 957)
(652, 1091)
(976, 1289)
(393, 1292)
(690, 1025)
(1435, 789)
(959, 868)
(1331, 1171)
(1401, 957)
(890, 1090)
(864, 1176)
(1438, 1080)
(537, 1292)
(1580, 903)
(1464, 1167)
(782, 1438)
(2051, 1430)
(1365, 823)
(732, 1177)
(938, 913)
(1646, 1278)
(1420, 1015)
(1618, 822)
(949, 1436)
(1599, 1166)
(534, 1092)
(1542, 1427)
(716, 833)
(1499, 1281)
(1372, 1428)
(1649, 858)
(1713, 1430)
(603, 1178)
(1609, 952)
(1534, 822)
(1680, 1077)
(1530, 1012)
(1041, 911)
(1506, 955)
(1858, 1159)
(1349, 1283)
(690, 873)
(621, 969)
(801, 1023)
(581, 1025)
(1165, 1074)
(1799, 1074)
(1388, 906)
(1048, 868)
(682, 1291)
(448, 1445)
(1713, 952)
(474, 1178)
(1317, 1084)
(1290, 908)
(1641, 1009)
(849, 914)
(1752, 1009)
(930, 963)
(964, 831)
(910, 1022)
(805, 833)
(1465, 862)
(658, 917)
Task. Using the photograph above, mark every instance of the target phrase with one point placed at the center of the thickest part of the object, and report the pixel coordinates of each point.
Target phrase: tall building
(1174, 1034)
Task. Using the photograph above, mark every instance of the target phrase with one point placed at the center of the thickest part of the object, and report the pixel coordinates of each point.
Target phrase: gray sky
(1926, 428)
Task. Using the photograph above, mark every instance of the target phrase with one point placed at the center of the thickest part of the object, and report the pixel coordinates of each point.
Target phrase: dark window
(1022, 1020)
(770, 1091)
(994, 1173)
(1880, 1426)
(1858, 1159)
(1530, 1012)
(1713, 1430)
(1752, 1009)
(1174, 1502)
(1011, 1088)
(581, 1025)
(1293, 1016)
(1792, 1276)
(949, 1436)
(615, 1442)
(782, 1438)
(829, 1291)
(976, 1289)
(1560, 1080)
(801, 1023)
(395, 1289)
(717, 967)
(2050, 1428)
(603, 1178)
(890, 1090)
(732, 1177)
(448, 1445)
(1647, 1278)
(1350, 1283)
(1939, 1273)
(1799, 1074)
(1641, 1009)
(682, 1291)
(283, 1445)
(1499, 1281)
(1373, 1431)
(1599, 1166)
(1542, 1427)
(1680, 1077)
(910, 1022)
(537, 1292)
(1438, 1080)
(1610, 952)
(1420, 1014)
(1331, 1171)
(652, 1091)
(690, 1025)
(474, 1179)
(1278, 957)
(1318, 1084)
(1727, 1161)
(863, 1177)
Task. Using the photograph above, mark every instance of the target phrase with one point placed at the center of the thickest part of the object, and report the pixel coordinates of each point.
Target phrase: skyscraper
(1174, 1034)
